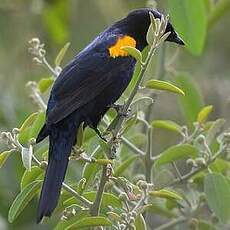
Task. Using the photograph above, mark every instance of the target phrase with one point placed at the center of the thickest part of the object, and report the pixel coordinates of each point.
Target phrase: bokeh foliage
(200, 70)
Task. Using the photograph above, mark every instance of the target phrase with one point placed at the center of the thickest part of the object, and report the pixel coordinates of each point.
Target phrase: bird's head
(137, 22)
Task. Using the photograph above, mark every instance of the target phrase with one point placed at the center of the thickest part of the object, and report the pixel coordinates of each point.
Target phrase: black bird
(93, 80)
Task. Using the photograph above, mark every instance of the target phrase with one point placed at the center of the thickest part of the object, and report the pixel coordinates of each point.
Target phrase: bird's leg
(119, 109)
(94, 127)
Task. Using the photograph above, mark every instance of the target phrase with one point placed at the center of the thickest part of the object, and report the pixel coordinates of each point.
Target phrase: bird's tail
(61, 140)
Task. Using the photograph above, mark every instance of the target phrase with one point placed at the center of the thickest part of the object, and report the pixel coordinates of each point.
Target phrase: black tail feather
(51, 188)
(42, 134)
(62, 137)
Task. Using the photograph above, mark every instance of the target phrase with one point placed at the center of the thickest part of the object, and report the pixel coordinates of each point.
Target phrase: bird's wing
(87, 76)
(81, 81)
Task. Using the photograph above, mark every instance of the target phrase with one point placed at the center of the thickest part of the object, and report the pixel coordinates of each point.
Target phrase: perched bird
(93, 80)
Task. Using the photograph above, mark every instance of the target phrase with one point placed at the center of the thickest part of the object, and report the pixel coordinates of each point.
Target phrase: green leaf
(217, 190)
(203, 114)
(124, 165)
(80, 135)
(23, 137)
(28, 122)
(220, 166)
(107, 199)
(151, 30)
(45, 83)
(190, 21)
(171, 204)
(129, 123)
(64, 224)
(22, 199)
(192, 102)
(164, 37)
(218, 11)
(168, 194)
(208, 5)
(136, 72)
(90, 169)
(204, 225)
(26, 154)
(141, 103)
(163, 85)
(104, 146)
(35, 173)
(150, 34)
(90, 222)
(133, 52)
(56, 20)
(61, 54)
(140, 223)
(114, 216)
(156, 208)
(37, 125)
(175, 153)
(3, 157)
(167, 124)
(214, 130)
(24, 134)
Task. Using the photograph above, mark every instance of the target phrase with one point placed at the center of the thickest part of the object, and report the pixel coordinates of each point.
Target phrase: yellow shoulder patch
(116, 51)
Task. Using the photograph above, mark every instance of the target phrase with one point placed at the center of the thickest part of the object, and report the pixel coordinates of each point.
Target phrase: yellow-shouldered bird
(93, 80)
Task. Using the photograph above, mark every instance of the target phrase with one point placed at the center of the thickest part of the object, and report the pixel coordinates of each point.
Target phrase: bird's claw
(120, 110)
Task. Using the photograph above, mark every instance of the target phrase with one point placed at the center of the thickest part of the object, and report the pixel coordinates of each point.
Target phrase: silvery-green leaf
(61, 54)
(150, 35)
(3, 157)
(141, 103)
(26, 154)
(133, 52)
(164, 37)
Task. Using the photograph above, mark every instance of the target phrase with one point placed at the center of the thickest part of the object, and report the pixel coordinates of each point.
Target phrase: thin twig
(177, 171)
(172, 223)
(49, 67)
(94, 211)
(197, 170)
(131, 146)
(127, 142)
(135, 89)
(148, 156)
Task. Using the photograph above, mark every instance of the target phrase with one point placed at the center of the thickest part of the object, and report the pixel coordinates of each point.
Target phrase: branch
(37, 49)
(197, 170)
(158, 38)
(135, 89)
(35, 95)
(172, 223)
(125, 141)
(132, 147)
(148, 156)
(159, 75)
(94, 211)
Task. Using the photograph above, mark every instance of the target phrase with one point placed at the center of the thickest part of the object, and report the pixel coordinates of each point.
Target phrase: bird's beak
(179, 41)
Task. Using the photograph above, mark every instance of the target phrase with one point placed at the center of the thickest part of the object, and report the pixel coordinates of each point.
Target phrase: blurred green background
(56, 22)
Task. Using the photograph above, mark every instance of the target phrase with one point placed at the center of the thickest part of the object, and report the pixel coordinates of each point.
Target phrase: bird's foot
(120, 110)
